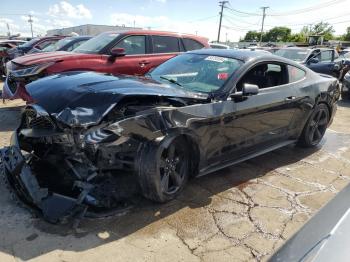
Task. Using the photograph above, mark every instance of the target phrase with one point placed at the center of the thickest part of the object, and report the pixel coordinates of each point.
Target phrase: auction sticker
(218, 59)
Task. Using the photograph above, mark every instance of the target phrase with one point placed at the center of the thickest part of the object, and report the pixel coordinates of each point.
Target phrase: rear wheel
(315, 127)
(164, 170)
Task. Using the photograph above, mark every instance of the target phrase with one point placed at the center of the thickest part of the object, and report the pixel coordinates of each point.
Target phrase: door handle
(144, 62)
(290, 98)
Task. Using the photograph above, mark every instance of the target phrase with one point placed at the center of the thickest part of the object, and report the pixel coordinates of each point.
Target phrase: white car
(218, 46)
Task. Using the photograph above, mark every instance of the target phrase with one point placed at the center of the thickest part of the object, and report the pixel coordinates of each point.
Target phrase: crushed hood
(84, 98)
(45, 57)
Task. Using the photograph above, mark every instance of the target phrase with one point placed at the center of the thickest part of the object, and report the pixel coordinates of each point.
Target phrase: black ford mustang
(194, 114)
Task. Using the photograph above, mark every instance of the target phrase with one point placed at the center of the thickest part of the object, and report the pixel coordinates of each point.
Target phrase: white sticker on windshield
(218, 59)
(302, 53)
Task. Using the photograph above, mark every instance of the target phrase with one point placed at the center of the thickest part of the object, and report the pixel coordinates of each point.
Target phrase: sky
(185, 16)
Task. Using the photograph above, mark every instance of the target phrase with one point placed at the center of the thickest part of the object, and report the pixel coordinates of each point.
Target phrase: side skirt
(212, 169)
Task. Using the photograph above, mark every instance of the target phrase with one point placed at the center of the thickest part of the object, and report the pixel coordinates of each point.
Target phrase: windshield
(57, 45)
(197, 72)
(293, 54)
(30, 43)
(96, 44)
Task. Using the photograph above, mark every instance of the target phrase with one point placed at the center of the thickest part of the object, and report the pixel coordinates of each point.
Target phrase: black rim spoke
(176, 178)
(318, 134)
(165, 182)
(162, 163)
(171, 152)
(323, 121)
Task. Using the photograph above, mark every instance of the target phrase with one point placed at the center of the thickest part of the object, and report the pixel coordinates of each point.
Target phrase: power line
(240, 21)
(307, 9)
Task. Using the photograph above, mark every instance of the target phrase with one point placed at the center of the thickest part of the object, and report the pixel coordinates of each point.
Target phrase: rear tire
(164, 169)
(315, 127)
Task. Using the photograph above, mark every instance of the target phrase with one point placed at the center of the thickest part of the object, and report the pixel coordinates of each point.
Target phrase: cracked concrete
(241, 213)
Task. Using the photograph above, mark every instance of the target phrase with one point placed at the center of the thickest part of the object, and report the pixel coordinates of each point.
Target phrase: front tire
(315, 127)
(164, 170)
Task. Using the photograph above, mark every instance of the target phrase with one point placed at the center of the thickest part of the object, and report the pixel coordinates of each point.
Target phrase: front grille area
(33, 120)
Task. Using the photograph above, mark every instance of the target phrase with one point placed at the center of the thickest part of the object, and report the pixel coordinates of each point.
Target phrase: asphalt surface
(241, 213)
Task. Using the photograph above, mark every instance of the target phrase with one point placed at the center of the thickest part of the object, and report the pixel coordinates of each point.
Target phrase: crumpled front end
(70, 172)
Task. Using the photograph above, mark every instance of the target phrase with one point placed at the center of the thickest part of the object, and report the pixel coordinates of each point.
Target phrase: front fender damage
(90, 166)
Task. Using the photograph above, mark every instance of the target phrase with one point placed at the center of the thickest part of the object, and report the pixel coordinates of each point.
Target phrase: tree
(323, 28)
(278, 34)
(346, 36)
(299, 37)
(252, 36)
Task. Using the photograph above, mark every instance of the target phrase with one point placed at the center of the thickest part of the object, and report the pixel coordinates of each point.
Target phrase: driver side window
(133, 45)
(265, 75)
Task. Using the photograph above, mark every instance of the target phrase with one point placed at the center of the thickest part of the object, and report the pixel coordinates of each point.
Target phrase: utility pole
(8, 30)
(30, 21)
(262, 24)
(222, 5)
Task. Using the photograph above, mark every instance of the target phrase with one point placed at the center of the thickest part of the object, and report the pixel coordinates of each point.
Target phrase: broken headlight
(31, 71)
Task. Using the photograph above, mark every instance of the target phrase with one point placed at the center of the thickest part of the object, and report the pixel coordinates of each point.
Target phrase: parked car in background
(192, 115)
(219, 46)
(65, 44)
(127, 52)
(345, 53)
(38, 43)
(320, 60)
(344, 79)
(6, 45)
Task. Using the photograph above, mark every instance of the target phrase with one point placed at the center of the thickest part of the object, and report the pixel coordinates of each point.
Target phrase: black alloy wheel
(173, 166)
(164, 169)
(315, 127)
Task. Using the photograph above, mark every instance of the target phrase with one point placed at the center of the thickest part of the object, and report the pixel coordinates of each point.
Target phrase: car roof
(80, 37)
(12, 41)
(160, 33)
(244, 55)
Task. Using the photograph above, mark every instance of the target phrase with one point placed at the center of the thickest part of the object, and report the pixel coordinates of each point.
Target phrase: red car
(130, 52)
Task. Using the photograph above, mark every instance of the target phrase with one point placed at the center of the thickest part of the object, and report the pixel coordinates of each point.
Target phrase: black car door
(325, 64)
(263, 120)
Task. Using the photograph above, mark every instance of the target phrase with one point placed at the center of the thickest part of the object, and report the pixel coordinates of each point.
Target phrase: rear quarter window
(295, 74)
(165, 44)
(191, 44)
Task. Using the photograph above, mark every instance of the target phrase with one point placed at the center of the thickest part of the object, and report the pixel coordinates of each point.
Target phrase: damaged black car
(196, 113)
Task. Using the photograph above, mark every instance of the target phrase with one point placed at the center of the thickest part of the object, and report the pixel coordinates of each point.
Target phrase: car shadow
(198, 193)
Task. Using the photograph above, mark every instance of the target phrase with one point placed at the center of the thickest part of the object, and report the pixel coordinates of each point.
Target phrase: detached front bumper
(54, 207)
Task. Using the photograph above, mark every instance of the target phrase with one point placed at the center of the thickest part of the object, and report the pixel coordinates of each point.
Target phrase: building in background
(89, 29)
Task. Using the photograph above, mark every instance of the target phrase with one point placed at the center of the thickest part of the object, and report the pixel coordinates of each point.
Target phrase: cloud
(140, 20)
(206, 28)
(161, 1)
(65, 9)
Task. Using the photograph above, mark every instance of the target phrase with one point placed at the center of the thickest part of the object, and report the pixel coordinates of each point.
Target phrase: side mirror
(117, 52)
(346, 62)
(247, 90)
(313, 60)
(250, 90)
